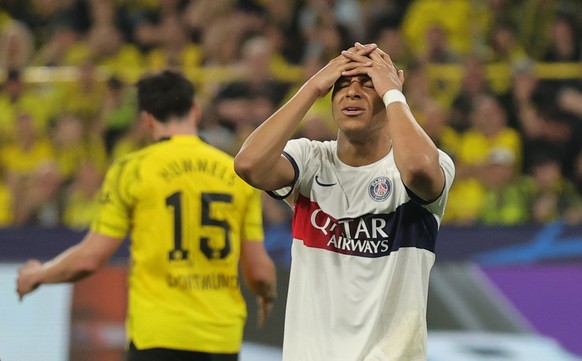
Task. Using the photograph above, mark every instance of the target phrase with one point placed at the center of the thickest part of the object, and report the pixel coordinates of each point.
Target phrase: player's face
(357, 108)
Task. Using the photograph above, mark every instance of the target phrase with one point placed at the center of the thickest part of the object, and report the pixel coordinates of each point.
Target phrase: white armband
(393, 95)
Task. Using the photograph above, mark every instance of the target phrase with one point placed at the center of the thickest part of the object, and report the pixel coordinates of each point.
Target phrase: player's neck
(174, 128)
(360, 154)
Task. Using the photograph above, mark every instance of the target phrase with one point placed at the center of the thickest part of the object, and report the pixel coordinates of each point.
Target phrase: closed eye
(343, 82)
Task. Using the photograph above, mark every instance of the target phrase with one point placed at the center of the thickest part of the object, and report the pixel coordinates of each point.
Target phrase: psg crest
(380, 188)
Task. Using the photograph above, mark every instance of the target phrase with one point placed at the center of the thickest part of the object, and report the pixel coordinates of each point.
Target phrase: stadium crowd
(497, 84)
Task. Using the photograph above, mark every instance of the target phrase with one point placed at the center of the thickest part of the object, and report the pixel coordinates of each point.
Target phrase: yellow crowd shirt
(186, 212)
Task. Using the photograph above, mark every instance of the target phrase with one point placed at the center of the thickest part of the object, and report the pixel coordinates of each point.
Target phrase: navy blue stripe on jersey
(414, 197)
(416, 227)
(419, 200)
(369, 235)
(296, 170)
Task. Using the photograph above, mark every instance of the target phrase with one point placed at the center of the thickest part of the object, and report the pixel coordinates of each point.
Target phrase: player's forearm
(69, 266)
(263, 147)
(415, 154)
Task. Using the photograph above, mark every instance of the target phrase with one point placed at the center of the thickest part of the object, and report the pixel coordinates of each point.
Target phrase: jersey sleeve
(295, 151)
(113, 217)
(448, 167)
(252, 229)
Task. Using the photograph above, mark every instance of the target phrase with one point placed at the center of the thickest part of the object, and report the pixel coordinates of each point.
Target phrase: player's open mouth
(352, 111)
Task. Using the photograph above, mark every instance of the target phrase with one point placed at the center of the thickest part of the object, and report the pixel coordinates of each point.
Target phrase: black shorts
(166, 354)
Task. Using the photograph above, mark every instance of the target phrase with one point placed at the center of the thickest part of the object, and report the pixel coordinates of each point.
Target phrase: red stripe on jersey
(363, 236)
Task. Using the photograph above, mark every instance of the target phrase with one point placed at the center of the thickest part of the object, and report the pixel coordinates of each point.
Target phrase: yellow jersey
(186, 211)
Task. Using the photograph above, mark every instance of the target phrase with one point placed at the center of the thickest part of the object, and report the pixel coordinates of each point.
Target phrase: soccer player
(367, 209)
(190, 219)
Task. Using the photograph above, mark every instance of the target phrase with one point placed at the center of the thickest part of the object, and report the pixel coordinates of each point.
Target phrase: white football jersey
(362, 251)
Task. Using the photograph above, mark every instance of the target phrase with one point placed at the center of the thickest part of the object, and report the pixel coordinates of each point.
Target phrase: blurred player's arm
(259, 273)
(73, 264)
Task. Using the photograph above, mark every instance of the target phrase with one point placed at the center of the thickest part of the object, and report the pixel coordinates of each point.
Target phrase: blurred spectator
(16, 97)
(449, 18)
(117, 112)
(577, 173)
(518, 100)
(489, 131)
(389, 37)
(565, 44)
(283, 65)
(6, 201)
(137, 137)
(390, 13)
(505, 191)
(84, 95)
(559, 138)
(16, 43)
(60, 49)
(473, 85)
(46, 17)
(31, 174)
(283, 25)
(570, 98)
(438, 49)
(258, 66)
(535, 38)
(81, 198)
(320, 19)
(216, 131)
(220, 42)
(74, 144)
(504, 44)
(433, 117)
(173, 48)
(323, 33)
(108, 48)
(315, 126)
(553, 197)
(201, 16)
(420, 88)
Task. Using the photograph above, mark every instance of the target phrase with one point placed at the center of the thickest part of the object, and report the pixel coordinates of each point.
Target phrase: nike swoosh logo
(323, 184)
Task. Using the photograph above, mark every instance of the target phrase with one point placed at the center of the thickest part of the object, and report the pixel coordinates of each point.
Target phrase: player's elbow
(89, 266)
(425, 178)
(244, 167)
(414, 169)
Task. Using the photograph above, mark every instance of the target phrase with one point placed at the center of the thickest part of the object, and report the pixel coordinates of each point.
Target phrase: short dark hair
(165, 94)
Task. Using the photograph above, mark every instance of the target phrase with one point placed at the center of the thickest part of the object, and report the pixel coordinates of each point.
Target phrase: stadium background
(507, 277)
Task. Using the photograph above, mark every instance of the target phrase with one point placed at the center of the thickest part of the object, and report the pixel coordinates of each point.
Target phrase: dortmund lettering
(202, 281)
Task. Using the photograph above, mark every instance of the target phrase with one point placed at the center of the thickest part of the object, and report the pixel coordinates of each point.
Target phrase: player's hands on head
(26, 281)
(325, 78)
(372, 61)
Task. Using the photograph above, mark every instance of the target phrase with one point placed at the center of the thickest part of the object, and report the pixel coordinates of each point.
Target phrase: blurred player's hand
(26, 281)
(264, 309)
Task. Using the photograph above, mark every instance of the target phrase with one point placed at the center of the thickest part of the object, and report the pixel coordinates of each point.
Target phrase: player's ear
(147, 118)
(196, 113)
